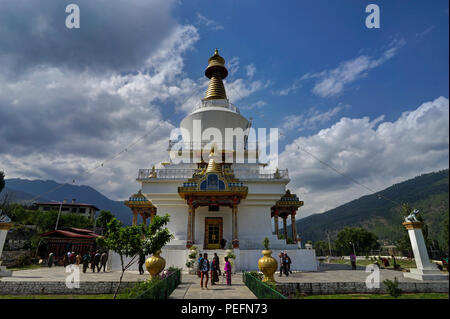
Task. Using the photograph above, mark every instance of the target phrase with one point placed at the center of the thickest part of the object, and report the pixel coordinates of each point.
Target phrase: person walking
(97, 261)
(141, 264)
(288, 262)
(199, 262)
(51, 257)
(205, 267)
(78, 259)
(86, 260)
(281, 258)
(353, 261)
(215, 269)
(103, 260)
(65, 260)
(92, 261)
(227, 271)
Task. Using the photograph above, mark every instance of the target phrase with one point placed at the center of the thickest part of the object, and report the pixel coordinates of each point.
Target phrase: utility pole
(59, 213)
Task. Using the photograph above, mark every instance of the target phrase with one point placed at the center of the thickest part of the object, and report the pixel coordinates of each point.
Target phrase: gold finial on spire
(213, 167)
(216, 72)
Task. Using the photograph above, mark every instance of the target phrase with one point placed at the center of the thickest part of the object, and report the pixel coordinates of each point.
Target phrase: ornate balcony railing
(185, 173)
(221, 103)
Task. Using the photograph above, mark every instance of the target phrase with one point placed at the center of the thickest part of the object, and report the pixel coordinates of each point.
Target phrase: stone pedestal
(425, 269)
(4, 227)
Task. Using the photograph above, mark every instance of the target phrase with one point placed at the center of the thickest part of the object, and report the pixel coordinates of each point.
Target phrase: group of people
(94, 260)
(205, 267)
(285, 263)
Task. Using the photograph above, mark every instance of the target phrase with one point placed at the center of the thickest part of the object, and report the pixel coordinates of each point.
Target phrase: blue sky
(286, 41)
(373, 103)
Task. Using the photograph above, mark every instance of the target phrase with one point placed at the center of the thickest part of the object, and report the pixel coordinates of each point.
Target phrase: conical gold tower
(216, 72)
(213, 167)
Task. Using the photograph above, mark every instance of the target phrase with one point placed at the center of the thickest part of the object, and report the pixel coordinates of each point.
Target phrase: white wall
(302, 259)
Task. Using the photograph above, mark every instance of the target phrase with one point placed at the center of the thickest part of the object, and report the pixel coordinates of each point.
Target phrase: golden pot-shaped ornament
(268, 266)
(155, 264)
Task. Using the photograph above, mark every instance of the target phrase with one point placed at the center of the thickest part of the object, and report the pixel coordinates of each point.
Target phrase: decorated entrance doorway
(213, 232)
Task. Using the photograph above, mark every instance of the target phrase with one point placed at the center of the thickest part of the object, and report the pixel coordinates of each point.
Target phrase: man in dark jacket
(103, 260)
(288, 262)
(141, 264)
(86, 260)
(96, 261)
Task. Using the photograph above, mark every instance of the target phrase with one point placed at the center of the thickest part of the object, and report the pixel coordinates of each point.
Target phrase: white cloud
(310, 119)
(57, 123)
(333, 82)
(376, 153)
(250, 70)
(211, 24)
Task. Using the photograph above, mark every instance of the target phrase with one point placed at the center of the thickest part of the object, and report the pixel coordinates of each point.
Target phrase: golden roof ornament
(213, 167)
(216, 72)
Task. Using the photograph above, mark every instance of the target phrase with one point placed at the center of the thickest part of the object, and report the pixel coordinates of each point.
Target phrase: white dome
(219, 114)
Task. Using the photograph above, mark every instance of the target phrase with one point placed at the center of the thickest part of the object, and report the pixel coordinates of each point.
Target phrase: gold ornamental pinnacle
(216, 72)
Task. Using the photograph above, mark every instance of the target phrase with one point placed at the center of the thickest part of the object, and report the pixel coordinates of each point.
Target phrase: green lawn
(364, 262)
(379, 296)
(27, 267)
(100, 296)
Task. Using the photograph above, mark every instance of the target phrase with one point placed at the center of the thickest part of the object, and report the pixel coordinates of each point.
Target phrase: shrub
(189, 263)
(193, 254)
(22, 261)
(265, 243)
(392, 287)
(231, 256)
(256, 274)
(157, 288)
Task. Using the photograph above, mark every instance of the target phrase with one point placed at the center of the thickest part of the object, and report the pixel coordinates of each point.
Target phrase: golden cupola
(216, 72)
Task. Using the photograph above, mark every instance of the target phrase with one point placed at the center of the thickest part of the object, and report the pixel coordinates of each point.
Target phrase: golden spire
(216, 72)
(213, 167)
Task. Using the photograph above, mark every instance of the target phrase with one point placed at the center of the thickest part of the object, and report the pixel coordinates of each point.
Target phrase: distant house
(86, 210)
(61, 241)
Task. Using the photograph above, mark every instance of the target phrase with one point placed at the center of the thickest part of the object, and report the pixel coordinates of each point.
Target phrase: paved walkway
(59, 274)
(190, 286)
(340, 273)
(190, 289)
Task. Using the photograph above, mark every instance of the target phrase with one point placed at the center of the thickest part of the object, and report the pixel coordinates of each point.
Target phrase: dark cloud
(116, 35)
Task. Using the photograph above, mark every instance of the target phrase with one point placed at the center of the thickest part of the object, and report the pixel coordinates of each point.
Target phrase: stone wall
(9, 258)
(328, 288)
(57, 287)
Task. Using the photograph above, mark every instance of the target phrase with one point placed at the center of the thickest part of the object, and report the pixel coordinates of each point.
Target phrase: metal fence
(260, 289)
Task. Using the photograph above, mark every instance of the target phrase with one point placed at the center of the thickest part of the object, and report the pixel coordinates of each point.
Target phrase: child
(227, 270)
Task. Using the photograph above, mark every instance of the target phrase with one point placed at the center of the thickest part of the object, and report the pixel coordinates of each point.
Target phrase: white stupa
(211, 199)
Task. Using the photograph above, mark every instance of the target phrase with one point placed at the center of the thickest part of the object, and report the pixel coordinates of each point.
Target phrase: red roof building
(60, 241)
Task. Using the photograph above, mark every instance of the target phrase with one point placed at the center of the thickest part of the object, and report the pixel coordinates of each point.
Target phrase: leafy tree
(104, 218)
(360, 237)
(322, 248)
(132, 241)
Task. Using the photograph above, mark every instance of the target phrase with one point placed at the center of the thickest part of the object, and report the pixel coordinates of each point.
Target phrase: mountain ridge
(24, 190)
(426, 192)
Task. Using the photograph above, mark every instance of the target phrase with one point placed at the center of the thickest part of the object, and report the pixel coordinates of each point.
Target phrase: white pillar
(425, 269)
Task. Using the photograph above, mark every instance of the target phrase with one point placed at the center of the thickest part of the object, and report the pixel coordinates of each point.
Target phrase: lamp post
(354, 251)
(59, 213)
